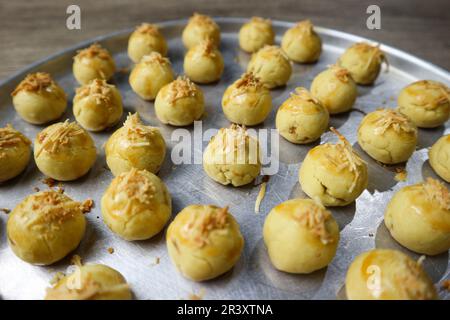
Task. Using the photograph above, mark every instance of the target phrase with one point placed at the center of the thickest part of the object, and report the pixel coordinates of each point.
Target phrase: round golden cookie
(90, 282)
(301, 236)
(151, 74)
(45, 227)
(301, 118)
(136, 205)
(92, 63)
(255, 34)
(199, 29)
(301, 43)
(335, 89)
(64, 151)
(271, 65)
(333, 174)
(232, 157)
(145, 39)
(383, 274)
(247, 101)
(426, 103)
(97, 105)
(203, 63)
(418, 217)
(387, 136)
(204, 241)
(15, 153)
(38, 99)
(439, 157)
(180, 103)
(363, 61)
(135, 145)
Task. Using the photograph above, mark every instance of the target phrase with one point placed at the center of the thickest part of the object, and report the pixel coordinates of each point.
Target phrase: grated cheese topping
(375, 53)
(10, 137)
(202, 20)
(315, 219)
(148, 28)
(52, 138)
(411, 283)
(136, 185)
(98, 89)
(182, 87)
(389, 118)
(93, 51)
(35, 82)
(303, 94)
(305, 26)
(139, 134)
(437, 193)
(341, 73)
(155, 57)
(248, 80)
(260, 197)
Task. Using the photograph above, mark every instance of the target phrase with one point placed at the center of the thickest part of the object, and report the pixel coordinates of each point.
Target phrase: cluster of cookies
(204, 241)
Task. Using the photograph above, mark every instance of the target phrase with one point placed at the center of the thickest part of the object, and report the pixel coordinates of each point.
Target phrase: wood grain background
(33, 29)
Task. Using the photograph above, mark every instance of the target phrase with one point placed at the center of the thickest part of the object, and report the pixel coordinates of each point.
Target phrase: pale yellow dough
(64, 151)
(97, 105)
(90, 282)
(301, 118)
(335, 89)
(92, 63)
(439, 157)
(363, 61)
(232, 157)
(271, 65)
(301, 236)
(387, 136)
(15, 153)
(45, 227)
(136, 205)
(255, 34)
(203, 63)
(135, 145)
(144, 40)
(204, 241)
(333, 174)
(180, 103)
(199, 29)
(301, 43)
(151, 74)
(383, 274)
(38, 99)
(418, 217)
(247, 101)
(426, 103)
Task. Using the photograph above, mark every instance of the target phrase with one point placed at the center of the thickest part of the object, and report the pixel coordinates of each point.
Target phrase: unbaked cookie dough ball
(426, 103)
(247, 101)
(136, 205)
(335, 89)
(144, 40)
(439, 157)
(418, 217)
(363, 61)
(199, 29)
(45, 227)
(271, 65)
(64, 151)
(333, 174)
(180, 103)
(151, 74)
(38, 99)
(255, 34)
(15, 153)
(203, 63)
(135, 145)
(383, 274)
(301, 43)
(204, 241)
(232, 157)
(301, 236)
(92, 63)
(387, 136)
(301, 118)
(97, 105)
(91, 282)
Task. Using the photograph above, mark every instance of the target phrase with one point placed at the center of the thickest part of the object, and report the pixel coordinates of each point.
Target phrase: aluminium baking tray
(253, 277)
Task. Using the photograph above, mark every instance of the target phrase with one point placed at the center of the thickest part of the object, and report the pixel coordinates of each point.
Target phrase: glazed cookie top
(374, 52)
(304, 27)
(148, 28)
(98, 89)
(180, 88)
(342, 74)
(39, 82)
(203, 21)
(154, 58)
(93, 51)
(437, 193)
(248, 81)
(207, 49)
(389, 119)
(428, 93)
(138, 133)
(301, 101)
(270, 51)
(10, 137)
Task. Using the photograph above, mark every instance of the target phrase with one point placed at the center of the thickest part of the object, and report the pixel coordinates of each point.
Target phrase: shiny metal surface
(253, 277)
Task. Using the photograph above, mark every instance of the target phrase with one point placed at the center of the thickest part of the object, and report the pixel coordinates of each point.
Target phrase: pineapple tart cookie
(199, 29)
(301, 43)
(15, 153)
(255, 34)
(38, 99)
(305, 224)
(92, 63)
(135, 145)
(204, 241)
(144, 40)
(203, 63)
(439, 157)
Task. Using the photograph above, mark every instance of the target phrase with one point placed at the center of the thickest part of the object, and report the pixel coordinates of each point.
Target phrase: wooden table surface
(33, 29)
